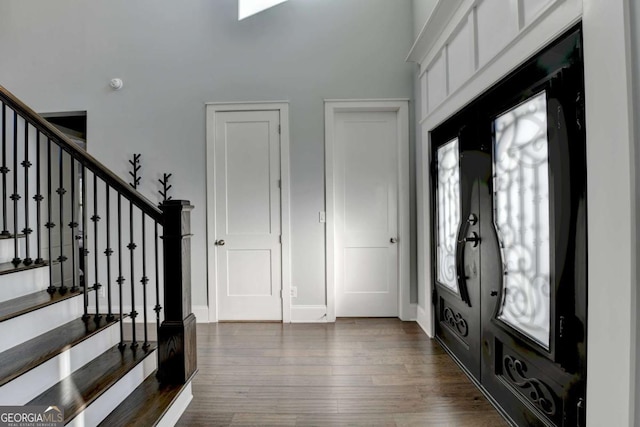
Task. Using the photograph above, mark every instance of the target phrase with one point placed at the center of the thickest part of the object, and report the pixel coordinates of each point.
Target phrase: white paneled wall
(479, 31)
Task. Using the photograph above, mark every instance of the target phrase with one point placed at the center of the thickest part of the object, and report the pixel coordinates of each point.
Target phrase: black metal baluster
(144, 282)
(4, 170)
(26, 164)
(61, 191)
(158, 307)
(51, 289)
(73, 225)
(132, 247)
(85, 251)
(108, 252)
(96, 218)
(120, 280)
(38, 198)
(15, 196)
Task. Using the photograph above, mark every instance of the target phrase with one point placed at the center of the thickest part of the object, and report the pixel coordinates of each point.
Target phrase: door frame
(285, 198)
(401, 108)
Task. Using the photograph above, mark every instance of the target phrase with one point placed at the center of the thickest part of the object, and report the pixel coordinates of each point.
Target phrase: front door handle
(474, 238)
(220, 242)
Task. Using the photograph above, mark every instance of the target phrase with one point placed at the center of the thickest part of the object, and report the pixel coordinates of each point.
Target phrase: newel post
(177, 333)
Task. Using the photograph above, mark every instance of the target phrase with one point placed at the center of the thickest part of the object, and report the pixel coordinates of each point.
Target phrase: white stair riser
(22, 283)
(7, 252)
(23, 328)
(177, 408)
(26, 387)
(109, 400)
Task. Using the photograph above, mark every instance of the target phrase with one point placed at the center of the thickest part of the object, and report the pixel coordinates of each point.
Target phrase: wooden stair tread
(77, 391)
(11, 236)
(18, 306)
(8, 267)
(145, 406)
(26, 356)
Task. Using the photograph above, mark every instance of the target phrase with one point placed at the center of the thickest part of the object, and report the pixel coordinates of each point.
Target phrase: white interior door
(366, 213)
(248, 215)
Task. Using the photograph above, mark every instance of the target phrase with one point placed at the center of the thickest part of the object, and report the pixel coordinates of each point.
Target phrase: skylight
(247, 8)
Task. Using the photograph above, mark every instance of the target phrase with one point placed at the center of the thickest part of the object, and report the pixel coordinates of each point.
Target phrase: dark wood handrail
(82, 156)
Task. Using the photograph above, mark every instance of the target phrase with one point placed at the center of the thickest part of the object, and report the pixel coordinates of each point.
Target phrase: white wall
(421, 11)
(635, 46)
(175, 56)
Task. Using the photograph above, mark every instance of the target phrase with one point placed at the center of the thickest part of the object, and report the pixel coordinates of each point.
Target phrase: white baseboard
(424, 322)
(177, 408)
(309, 314)
(410, 313)
(201, 312)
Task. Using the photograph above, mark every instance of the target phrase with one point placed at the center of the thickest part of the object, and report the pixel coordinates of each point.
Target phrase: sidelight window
(448, 200)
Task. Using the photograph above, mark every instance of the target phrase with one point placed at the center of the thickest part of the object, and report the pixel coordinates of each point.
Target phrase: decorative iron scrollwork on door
(522, 216)
(536, 391)
(448, 213)
(456, 321)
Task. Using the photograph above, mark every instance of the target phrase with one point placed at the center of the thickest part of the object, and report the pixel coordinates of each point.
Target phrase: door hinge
(561, 326)
(279, 129)
(280, 238)
(434, 297)
(279, 183)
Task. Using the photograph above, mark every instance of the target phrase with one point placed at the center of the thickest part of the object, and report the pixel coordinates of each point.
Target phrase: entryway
(367, 172)
(247, 210)
(509, 238)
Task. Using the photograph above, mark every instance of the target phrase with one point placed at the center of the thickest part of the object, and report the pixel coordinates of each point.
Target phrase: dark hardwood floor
(368, 372)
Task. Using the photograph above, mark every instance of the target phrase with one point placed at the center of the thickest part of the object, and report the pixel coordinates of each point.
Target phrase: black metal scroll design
(521, 212)
(448, 213)
(456, 321)
(165, 187)
(537, 391)
(136, 166)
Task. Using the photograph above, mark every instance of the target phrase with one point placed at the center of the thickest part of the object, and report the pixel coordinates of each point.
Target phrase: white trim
(309, 314)
(432, 29)
(201, 312)
(178, 406)
(611, 214)
(238, 105)
(367, 100)
(411, 314)
(423, 320)
(285, 201)
(401, 107)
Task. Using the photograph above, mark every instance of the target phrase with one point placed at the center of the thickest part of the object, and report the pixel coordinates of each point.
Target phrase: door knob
(494, 293)
(393, 240)
(220, 242)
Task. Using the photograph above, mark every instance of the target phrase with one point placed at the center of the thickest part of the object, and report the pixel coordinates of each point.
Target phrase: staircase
(95, 292)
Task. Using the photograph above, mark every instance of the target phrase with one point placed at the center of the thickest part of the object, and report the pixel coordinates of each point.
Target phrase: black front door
(510, 238)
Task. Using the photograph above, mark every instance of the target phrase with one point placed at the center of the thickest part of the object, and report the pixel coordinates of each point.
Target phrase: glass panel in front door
(521, 214)
(448, 212)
